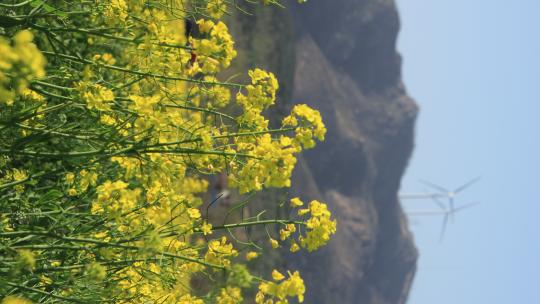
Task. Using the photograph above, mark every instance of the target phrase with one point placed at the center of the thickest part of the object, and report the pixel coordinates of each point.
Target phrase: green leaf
(6, 21)
(50, 196)
(48, 8)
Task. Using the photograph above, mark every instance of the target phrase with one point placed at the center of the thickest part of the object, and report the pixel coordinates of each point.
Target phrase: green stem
(283, 130)
(201, 110)
(50, 94)
(254, 223)
(50, 247)
(141, 73)
(48, 131)
(21, 116)
(16, 4)
(50, 85)
(237, 225)
(109, 36)
(15, 183)
(195, 151)
(79, 266)
(127, 150)
(108, 244)
(50, 294)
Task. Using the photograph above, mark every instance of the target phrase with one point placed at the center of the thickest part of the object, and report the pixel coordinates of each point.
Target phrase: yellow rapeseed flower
(274, 243)
(19, 174)
(194, 213)
(230, 295)
(294, 247)
(296, 202)
(15, 300)
(277, 276)
(251, 255)
(26, 259)
(206, 228)
(319, 226)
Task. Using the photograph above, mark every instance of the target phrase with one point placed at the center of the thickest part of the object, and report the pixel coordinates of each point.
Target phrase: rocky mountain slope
(340, 57)
(348, 68)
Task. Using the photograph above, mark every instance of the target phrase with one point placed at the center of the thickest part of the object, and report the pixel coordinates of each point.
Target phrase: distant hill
(340, 57)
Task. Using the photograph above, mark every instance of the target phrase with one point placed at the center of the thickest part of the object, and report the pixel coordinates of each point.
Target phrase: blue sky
(474, 69)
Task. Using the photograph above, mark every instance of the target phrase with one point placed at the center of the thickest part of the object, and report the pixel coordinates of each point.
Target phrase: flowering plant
(112, 118)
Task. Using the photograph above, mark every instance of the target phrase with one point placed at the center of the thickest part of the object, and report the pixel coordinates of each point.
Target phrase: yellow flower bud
(277, 276)
(251, 255)
(296, 202)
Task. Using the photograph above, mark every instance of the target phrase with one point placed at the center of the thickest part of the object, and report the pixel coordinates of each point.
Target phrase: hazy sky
(474, 69)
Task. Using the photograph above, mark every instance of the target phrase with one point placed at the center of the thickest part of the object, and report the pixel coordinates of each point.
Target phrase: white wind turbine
(449, 194)
(446, 212)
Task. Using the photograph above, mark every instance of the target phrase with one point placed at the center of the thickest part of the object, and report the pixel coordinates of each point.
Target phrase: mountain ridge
(348, 68)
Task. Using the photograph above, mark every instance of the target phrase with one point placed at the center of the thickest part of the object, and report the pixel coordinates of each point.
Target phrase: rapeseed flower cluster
(216, 8)
(230, 295)
(281, 288)
(319, 226)
(316, 229)
(219, 252)
(96, 96)
(308, 124)
(261, 93)
(215, 50)
(20, 63)
(107, 146)
(15, 300)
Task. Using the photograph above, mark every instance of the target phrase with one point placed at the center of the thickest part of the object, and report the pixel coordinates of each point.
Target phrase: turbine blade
(452, 209)
(439, 203)
(434, 186)
(423, 212)
(469, 205)
(418, 195)
(467, 184)
(443, 229)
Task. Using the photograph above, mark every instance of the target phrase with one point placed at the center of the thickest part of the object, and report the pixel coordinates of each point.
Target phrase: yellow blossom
(115, 12)
(140, 105)
(303, 211)
(294, 247)
(319, 226)
(26, 259)
(251, 255)
(96, 272)
(261, 93)
(290, 287)
(296, 202)
(216, 8)
(206, 228)
(230, 295)
(15, 300)
(308, 123)
(45, 280)
(287, 231)
(194, 213)
(19, 174)
(95, 95)
(277, 276)
(219, 252)
(69, 178)
(274, 243)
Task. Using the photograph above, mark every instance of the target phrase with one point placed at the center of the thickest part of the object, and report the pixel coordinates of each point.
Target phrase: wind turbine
(446, 212)
(426, 195)
(451, 195)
